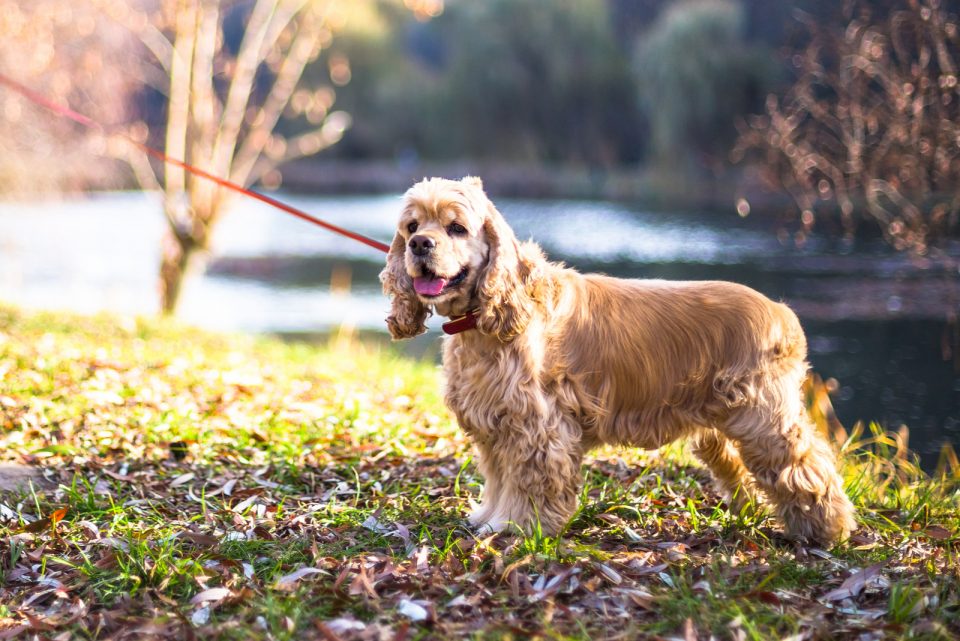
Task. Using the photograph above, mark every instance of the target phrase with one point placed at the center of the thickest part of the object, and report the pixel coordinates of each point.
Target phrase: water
(875, 320)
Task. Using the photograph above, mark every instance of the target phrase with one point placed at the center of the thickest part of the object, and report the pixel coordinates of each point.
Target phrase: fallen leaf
(640, 598)
(47, 522)
(938, 532)
(114, 543)
(14, 632)
(226, 489)
(116, 476)
(372, 524)
(325, 631)
(702, 586)
(854, 584)
(770, 598)
(240, 507)
(609, 573)
(632, 534)
(289, 581)
(201, 616)
(412, 610)
(460, 600)
(343, 625)
(183, 478)
(90, 529)
(211, 594)
(58, 515)
(197, 538)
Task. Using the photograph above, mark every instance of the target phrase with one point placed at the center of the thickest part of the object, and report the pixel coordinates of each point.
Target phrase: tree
(520, 81)
(536, 80)
(229, 71)
(871, 124)
(694, 76)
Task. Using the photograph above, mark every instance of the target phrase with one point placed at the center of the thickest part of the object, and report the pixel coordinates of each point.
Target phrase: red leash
(454, 326)
(79, 118)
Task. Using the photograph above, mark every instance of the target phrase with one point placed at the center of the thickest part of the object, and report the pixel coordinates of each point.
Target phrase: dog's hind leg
(730, 476)
(796, 468)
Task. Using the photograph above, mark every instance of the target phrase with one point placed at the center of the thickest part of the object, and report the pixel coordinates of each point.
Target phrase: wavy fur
(564, 362)
(407, 313)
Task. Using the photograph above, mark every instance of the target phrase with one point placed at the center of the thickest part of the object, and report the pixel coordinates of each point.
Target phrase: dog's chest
(488, 385)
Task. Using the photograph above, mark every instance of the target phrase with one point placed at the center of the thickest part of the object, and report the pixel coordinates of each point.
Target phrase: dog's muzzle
(430, 284)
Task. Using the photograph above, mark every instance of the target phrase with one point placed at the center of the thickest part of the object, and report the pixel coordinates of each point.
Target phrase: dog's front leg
(532, 475)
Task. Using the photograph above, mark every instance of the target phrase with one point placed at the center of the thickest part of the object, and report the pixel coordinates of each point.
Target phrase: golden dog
(559, 362)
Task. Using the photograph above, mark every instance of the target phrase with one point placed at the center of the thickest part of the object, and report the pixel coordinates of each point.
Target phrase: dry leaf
(47, 522)
(609, 573)
(854, 584)
(938, 532)
(183, 478)
(211, 594)
(201, 616)
(289, 581)
(413, 610)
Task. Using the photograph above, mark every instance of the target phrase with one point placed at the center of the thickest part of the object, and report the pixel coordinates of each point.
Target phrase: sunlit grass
(188, 462)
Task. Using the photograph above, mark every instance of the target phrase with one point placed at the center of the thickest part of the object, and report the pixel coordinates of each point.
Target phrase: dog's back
(663, 357)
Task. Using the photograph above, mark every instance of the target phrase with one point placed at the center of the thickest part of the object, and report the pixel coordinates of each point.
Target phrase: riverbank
(226, 487)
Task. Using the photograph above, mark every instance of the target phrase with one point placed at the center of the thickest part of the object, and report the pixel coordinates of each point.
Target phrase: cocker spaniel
(546, 363)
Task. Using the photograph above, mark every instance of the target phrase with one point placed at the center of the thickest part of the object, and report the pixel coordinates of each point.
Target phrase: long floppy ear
(407, 313)
(505, 304)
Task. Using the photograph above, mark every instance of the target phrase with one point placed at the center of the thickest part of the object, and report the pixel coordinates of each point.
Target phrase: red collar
(460, 323)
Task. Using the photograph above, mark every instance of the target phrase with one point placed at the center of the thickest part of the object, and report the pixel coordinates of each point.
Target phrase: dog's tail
(788, 343)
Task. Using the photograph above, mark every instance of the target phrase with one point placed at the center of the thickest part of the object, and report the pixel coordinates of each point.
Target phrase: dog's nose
(422, 245)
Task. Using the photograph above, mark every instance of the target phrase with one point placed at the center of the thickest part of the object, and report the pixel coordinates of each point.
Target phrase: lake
(882, 324)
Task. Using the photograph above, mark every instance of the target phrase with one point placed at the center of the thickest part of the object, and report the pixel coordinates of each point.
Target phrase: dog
(546, 363)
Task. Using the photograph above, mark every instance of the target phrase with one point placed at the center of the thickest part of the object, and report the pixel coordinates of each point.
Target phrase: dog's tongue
(429, 286)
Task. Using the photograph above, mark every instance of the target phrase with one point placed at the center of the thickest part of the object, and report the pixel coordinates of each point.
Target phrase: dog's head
(454, 253)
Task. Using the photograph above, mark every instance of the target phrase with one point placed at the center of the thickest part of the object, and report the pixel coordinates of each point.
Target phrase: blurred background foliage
(668, 100)
(601, 83)
(691, 94)
(533, 81)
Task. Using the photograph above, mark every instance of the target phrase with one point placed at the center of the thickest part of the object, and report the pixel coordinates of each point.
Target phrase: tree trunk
(182, 254)
(179, 257)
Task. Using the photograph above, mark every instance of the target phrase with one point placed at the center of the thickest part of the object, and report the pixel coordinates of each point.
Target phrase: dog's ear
(502, 286)
(407, 313)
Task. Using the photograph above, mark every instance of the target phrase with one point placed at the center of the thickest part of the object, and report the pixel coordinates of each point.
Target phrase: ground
(188, 485)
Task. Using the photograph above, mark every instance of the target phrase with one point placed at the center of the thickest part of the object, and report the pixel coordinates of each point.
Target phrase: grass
(210, 486)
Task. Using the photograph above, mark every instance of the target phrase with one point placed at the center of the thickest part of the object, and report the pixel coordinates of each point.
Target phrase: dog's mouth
(430, 285)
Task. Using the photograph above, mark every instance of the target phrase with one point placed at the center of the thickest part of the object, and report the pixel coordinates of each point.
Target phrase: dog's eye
(456, 229)
(412, 227)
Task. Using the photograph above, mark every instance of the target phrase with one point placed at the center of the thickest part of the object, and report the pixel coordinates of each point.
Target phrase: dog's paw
(478, 515)
(486, 523)
(485, 529)
(495, 526)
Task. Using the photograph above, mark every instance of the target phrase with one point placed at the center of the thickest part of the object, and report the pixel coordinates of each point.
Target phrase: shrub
(871, 123)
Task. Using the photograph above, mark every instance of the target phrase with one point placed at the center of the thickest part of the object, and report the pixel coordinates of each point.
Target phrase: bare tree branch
(245, 69)
(303, 145)
(291, 70)
(178, 108)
